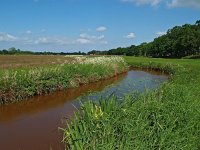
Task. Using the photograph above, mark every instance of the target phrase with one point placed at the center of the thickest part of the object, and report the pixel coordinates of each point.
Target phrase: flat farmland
(17, 61)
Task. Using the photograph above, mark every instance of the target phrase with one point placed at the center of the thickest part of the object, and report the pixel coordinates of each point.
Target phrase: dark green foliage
(178, 42)
(14, 51)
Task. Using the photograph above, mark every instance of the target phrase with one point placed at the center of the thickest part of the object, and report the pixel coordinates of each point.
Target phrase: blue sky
(83, 25)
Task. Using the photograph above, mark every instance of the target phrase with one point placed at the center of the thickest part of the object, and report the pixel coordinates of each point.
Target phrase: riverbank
(23, 82)
(166, 118)
(42, 115)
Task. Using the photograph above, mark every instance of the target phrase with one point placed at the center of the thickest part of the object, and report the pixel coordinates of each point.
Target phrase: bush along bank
(22, 83)
(166, 118)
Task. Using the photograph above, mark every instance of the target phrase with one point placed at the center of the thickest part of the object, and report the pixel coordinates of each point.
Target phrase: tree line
(14, 51)
(178, 42)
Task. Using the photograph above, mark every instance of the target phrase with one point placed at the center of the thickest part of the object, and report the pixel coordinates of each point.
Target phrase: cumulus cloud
(91, 37)
(160, 33)
(184, 3)
(85, 38)
(83, 41)
(43, 40)
(101, 29)
(53, 40)
(5, 37)
(169, 3)
(28, 32)
(130, 36)
(144, 2)
(101, 37)
(103, 42)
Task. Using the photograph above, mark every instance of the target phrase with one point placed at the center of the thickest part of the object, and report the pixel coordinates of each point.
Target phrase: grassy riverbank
(23, 82)
(166, 118)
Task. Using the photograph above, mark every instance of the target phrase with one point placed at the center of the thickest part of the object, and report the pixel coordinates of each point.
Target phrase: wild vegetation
(166, 118)
(178, 42)
(23, 82)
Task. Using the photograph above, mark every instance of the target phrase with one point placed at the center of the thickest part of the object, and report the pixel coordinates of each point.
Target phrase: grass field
(18, 61)
(35, 75)
(167, 118)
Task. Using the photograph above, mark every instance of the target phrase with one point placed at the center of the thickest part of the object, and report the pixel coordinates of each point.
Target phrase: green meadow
(165, 118)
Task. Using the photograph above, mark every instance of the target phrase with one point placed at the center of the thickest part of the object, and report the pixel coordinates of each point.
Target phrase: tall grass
(21, 83)
(166, 118)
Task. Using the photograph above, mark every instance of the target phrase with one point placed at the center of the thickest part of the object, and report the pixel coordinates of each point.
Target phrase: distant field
(16, 61)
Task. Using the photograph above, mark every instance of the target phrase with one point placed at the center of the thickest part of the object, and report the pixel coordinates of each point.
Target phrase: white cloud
(144, 2)
(90, 37)
(85, 38)
(100, 37)
(43, 40)
(83, 41)
(169, 3)
(5, 37)
(130, 36)
(160, 33)
(28, 32)
(103, 42)
(184, 3)
(101, 29)
(53, 40)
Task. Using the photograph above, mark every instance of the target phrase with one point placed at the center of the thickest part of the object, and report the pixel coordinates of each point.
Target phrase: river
(33, 124)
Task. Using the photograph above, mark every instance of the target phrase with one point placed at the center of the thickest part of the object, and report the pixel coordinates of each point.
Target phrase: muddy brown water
(33, 124)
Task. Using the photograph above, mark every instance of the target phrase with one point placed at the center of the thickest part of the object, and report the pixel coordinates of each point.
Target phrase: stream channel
(33, 124)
